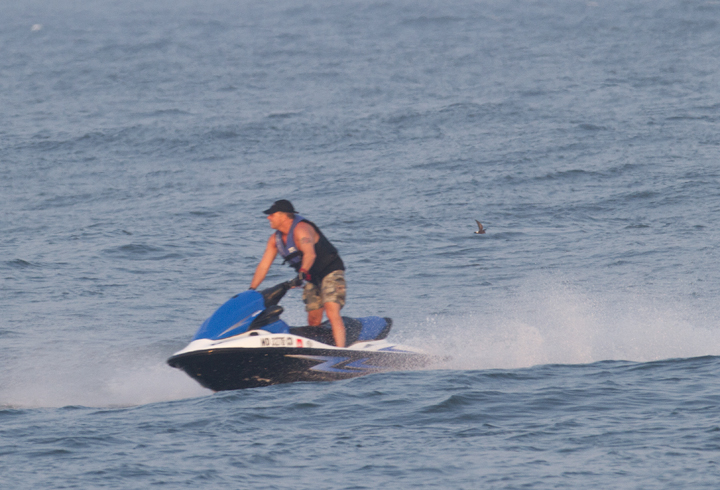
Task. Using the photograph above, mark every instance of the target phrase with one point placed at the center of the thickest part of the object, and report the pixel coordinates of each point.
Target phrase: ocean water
(140, 142)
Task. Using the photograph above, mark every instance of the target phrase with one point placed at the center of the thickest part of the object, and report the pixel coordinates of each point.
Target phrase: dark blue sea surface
(605, 425)
(141, 141)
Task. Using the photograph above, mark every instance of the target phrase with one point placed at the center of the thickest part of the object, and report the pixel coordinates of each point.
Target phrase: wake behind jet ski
(245, 344)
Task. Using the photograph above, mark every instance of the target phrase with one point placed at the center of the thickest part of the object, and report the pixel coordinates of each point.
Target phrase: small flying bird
(481, 230)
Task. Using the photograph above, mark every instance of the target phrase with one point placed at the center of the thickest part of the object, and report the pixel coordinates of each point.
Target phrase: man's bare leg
(315, 317)
(332, 310)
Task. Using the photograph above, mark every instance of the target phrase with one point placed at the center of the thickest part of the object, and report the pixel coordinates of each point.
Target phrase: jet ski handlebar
(274, 294)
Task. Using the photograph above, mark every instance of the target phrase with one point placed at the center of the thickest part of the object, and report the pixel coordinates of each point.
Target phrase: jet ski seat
(355, 330)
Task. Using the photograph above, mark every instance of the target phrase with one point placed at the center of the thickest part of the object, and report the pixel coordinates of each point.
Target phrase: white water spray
(70, 377)
(559, 324)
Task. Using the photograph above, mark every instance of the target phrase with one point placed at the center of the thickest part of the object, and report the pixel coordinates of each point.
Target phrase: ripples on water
(546, 427)
(141, 141)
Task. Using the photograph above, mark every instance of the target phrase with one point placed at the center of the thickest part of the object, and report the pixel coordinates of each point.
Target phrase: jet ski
(245, 344)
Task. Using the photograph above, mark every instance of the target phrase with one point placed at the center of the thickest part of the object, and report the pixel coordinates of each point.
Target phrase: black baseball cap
(282, 205)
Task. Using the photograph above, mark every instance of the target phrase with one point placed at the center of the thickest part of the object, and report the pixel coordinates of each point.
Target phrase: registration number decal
(278, 342)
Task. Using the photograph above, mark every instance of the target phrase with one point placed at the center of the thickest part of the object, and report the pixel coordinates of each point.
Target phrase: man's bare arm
(305, 238)
(265, 263)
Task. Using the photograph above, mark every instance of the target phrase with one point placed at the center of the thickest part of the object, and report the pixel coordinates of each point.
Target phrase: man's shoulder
(307, 230)
(306, 226)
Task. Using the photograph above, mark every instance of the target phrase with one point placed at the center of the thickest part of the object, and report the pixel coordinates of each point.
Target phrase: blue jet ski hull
(240, 368)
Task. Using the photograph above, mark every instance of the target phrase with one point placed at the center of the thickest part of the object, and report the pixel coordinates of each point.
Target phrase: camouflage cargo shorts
(332, 289)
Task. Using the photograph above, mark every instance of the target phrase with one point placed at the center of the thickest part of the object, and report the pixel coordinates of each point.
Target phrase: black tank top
(327, 259)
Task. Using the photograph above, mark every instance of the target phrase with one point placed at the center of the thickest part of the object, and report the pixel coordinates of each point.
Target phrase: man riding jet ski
(316, 260)
(245, 344)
